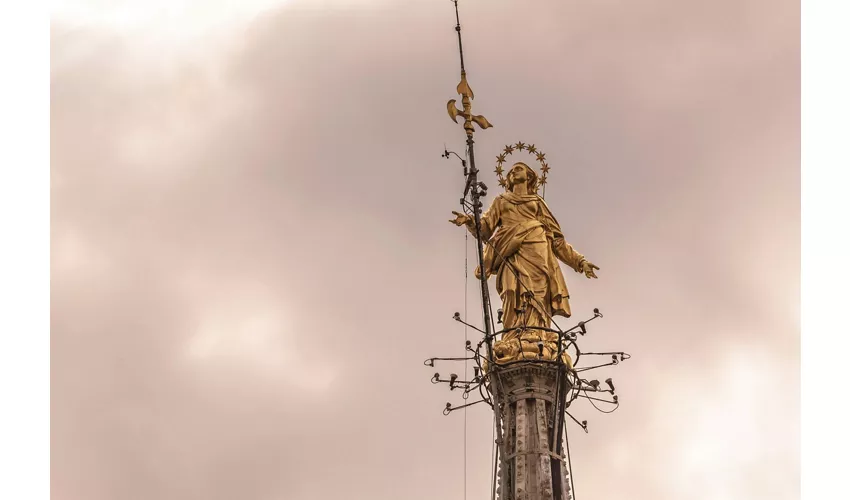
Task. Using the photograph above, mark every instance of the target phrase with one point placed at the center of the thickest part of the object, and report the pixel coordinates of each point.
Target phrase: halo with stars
(521, 146)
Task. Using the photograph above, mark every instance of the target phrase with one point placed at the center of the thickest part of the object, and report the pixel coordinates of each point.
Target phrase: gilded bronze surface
(524, 243)
(466, 100)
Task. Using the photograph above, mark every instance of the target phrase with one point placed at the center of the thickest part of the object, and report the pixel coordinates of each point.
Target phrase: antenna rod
(472, 179)
(476, 213)
(474, 189)
(459, 40)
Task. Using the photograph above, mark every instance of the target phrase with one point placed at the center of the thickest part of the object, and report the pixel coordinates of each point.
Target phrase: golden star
(520, 146)
(503, 183)
(499, 171)
(541, 156)
(532, 149)
(509, 149)
(545, 168)
(501, 158)
(542, 181)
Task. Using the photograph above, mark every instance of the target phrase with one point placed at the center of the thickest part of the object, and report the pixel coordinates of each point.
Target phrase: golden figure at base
(523, 245)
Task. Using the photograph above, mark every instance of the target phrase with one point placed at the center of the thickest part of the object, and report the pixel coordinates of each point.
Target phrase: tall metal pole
(531, 395)
(472, 179)
(475, 197)
(459, 40)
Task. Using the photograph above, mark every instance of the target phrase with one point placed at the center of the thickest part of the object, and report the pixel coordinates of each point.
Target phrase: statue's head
(519, 173)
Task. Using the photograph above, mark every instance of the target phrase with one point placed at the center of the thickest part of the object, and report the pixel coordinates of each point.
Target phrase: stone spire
(526, 371)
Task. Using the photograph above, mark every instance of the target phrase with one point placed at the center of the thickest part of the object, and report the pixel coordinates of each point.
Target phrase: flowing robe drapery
(523, 245)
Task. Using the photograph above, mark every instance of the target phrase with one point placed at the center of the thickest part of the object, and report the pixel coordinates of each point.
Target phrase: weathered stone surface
(527, 395)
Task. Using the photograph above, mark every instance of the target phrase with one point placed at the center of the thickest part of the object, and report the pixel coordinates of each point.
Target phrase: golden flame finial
(465, 92)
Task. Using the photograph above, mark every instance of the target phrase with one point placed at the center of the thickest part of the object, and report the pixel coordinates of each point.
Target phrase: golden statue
(523, 245)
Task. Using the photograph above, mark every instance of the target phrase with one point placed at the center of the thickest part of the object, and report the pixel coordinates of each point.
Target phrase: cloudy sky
(251, 256)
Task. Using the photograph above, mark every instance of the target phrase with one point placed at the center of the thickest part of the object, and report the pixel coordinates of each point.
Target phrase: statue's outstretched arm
(489, 221)
(566, 253)
(563, 250)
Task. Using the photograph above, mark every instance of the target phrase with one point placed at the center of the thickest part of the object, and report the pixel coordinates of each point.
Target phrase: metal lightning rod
(476, 190)
(473, 187)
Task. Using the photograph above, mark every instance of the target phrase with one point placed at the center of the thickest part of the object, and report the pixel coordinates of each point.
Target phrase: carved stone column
(532, 463)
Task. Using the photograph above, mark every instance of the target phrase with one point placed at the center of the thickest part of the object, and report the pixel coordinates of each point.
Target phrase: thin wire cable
(465, 340)
(493, 460)
(572, 483)
(598, 408)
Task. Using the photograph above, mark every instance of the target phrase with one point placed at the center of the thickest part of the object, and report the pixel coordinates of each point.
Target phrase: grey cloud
(298, 174)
